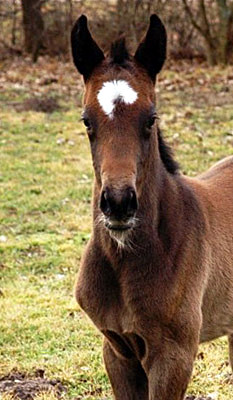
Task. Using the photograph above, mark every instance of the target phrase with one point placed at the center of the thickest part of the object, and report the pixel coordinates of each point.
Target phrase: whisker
(100, 219)
(125, 240)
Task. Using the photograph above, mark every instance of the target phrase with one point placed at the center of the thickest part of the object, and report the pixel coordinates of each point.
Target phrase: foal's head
(120, 117)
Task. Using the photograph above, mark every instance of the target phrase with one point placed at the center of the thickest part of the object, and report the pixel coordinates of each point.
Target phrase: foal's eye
(151, 121)
(86, 123)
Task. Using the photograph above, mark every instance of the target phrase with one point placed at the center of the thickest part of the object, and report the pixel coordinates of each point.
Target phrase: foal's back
(214, 190)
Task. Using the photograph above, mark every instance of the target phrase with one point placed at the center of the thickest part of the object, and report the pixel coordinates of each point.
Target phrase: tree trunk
(209, 39)
(33, 26)
(13, 30)
(210, 53)
(225, 16)
(217, 44)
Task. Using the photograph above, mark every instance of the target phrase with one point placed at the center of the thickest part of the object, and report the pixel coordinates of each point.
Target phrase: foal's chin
(120, 232)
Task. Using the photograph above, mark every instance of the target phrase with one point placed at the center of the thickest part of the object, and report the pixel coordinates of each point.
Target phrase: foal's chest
(110, 301)
(113, 307)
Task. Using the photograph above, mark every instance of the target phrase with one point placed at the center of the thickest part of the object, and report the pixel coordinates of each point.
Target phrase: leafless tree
(214, 32)
(33, 26)
(13, 30)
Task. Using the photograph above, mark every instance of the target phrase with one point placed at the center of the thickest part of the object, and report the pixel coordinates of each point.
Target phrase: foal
(157, 274)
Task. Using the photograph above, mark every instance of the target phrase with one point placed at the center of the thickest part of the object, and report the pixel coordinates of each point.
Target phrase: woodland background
(49, 350)
(201, 29)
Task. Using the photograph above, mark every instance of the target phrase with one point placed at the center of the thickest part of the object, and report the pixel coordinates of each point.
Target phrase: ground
(45, 217)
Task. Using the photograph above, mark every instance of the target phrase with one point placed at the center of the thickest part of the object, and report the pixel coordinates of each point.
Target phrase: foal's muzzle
(119, 207)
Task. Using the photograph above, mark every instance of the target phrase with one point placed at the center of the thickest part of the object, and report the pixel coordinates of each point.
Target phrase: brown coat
(160, 286)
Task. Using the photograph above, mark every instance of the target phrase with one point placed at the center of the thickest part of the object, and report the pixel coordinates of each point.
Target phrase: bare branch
(225, 10)
(13, 29)
(192, 17)
(205, 22)
(203, 28)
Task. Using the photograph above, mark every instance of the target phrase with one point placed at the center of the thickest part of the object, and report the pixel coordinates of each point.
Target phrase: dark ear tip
(80, 24)
(82, 21)
(155, 20)
(151, 52)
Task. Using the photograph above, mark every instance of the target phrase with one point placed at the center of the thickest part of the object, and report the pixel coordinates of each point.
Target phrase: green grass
(45, 219)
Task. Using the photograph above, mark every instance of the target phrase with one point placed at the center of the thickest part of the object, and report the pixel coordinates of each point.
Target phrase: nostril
(104, 203)
(131, 194)
(132, 204)
(118, 204)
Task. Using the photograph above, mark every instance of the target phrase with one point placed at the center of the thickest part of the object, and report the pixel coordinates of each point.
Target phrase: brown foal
(157, 274)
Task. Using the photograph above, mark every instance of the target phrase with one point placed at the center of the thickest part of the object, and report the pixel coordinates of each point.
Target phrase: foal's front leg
(169, 370)
(127, 377)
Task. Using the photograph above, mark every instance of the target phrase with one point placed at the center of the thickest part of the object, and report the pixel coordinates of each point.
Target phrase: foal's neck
(160, 198)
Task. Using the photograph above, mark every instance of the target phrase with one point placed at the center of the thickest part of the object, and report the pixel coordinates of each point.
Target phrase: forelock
(119, 54)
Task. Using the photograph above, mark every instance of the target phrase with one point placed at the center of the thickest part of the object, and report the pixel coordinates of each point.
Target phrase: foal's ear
(151, 52)
(86, 53)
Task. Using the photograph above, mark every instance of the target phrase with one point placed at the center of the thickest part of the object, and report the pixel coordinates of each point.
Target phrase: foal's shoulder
(222, 168)
(215, 182)
(214, 190)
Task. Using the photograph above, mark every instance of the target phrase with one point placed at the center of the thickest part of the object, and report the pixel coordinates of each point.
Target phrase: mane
(166, 155)
(119, 53)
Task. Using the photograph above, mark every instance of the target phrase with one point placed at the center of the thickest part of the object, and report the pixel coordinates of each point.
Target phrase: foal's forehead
(129, 90)
(114, 92)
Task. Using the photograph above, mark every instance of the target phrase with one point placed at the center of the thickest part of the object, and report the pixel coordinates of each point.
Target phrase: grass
(45, 219)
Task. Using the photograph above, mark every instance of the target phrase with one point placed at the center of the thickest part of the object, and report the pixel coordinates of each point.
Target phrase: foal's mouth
(119, 231)
(119, 226)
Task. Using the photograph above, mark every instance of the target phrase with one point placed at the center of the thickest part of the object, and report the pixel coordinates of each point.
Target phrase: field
(45, 213)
